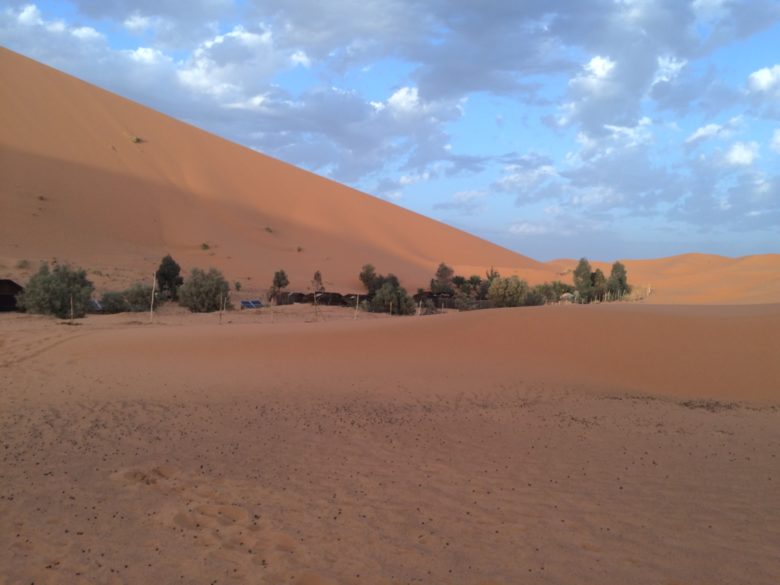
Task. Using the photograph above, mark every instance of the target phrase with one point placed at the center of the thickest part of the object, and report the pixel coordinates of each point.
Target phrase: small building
(567, 298)
(8, 291)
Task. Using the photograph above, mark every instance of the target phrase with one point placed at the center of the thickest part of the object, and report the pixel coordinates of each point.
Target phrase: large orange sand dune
(75, 185)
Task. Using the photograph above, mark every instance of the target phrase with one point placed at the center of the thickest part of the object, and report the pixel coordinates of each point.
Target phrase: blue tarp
(251, 304)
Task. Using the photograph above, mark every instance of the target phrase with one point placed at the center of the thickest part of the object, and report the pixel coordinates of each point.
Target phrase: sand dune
(612, 444)
(91, 178)
(697, 278)
(75, 185)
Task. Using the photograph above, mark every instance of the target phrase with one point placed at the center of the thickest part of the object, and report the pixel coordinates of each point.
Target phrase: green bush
(507, 292)
(617, 283)
(443, 280)
(583, 280)
(135, 299)
(139, 297)
(114, 302)
(392, 298)
(62, 291)
(278, 284)
(204, 292)
(169, 278)
(368, 277)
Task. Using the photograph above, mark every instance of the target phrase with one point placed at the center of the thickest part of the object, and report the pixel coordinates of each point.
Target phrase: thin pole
(357, 303)
(151, 302)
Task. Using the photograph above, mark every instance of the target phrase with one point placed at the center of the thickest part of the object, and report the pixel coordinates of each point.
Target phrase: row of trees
(592, 285)
(385, 293)
(494, 290)
(64, 291)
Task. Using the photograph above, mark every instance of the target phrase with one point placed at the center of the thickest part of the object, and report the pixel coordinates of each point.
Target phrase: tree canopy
(169, 277)
(62, 291)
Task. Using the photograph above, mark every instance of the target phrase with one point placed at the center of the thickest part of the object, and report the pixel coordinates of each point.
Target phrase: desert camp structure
(8, 291)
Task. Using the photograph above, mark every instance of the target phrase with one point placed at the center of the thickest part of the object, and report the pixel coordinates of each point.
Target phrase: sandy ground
(602, 444)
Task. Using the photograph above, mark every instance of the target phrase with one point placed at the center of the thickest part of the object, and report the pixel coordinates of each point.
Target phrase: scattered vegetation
(205, 246)
(114, 302)
(138, 297)
(169, 278)
(279, 283)
(392, 298)
(204, 292)
(23, 264)
(508, 292)
(62, 291)
(443, 280)
(237, 286)
(270, 230)
(135, 299)
(593, 286)
(386, 295)
(136, 139)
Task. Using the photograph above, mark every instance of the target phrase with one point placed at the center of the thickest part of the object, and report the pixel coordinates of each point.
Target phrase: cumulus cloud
(765, 80)
(742, 154)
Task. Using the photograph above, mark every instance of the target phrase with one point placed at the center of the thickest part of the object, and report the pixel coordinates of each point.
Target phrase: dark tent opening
(8, 291)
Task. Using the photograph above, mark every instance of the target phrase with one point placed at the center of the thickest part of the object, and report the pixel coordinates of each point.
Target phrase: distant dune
(697, 278)
(92, 178)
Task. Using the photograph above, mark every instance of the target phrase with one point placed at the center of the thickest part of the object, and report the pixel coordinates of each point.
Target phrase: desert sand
(624, 443)
(563, 444)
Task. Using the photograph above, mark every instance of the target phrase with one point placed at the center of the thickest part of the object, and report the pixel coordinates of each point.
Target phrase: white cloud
(600, 67)
(742, 153)
(137, 23)
(630, 136)
(527, 228)
(148, 55)
(87, 33)
(712, 130)
(594, 79)
(30, 15)
(765, 80)
(465, 201)
(300, 58)
(520, 177)
(704, 132)
(405, 100)
(775, 143)
(406, 180)
(669, 68)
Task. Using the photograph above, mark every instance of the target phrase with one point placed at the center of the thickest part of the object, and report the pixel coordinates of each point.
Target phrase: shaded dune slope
(96, 179)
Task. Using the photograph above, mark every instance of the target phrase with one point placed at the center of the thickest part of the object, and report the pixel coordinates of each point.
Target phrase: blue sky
(604, 128)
